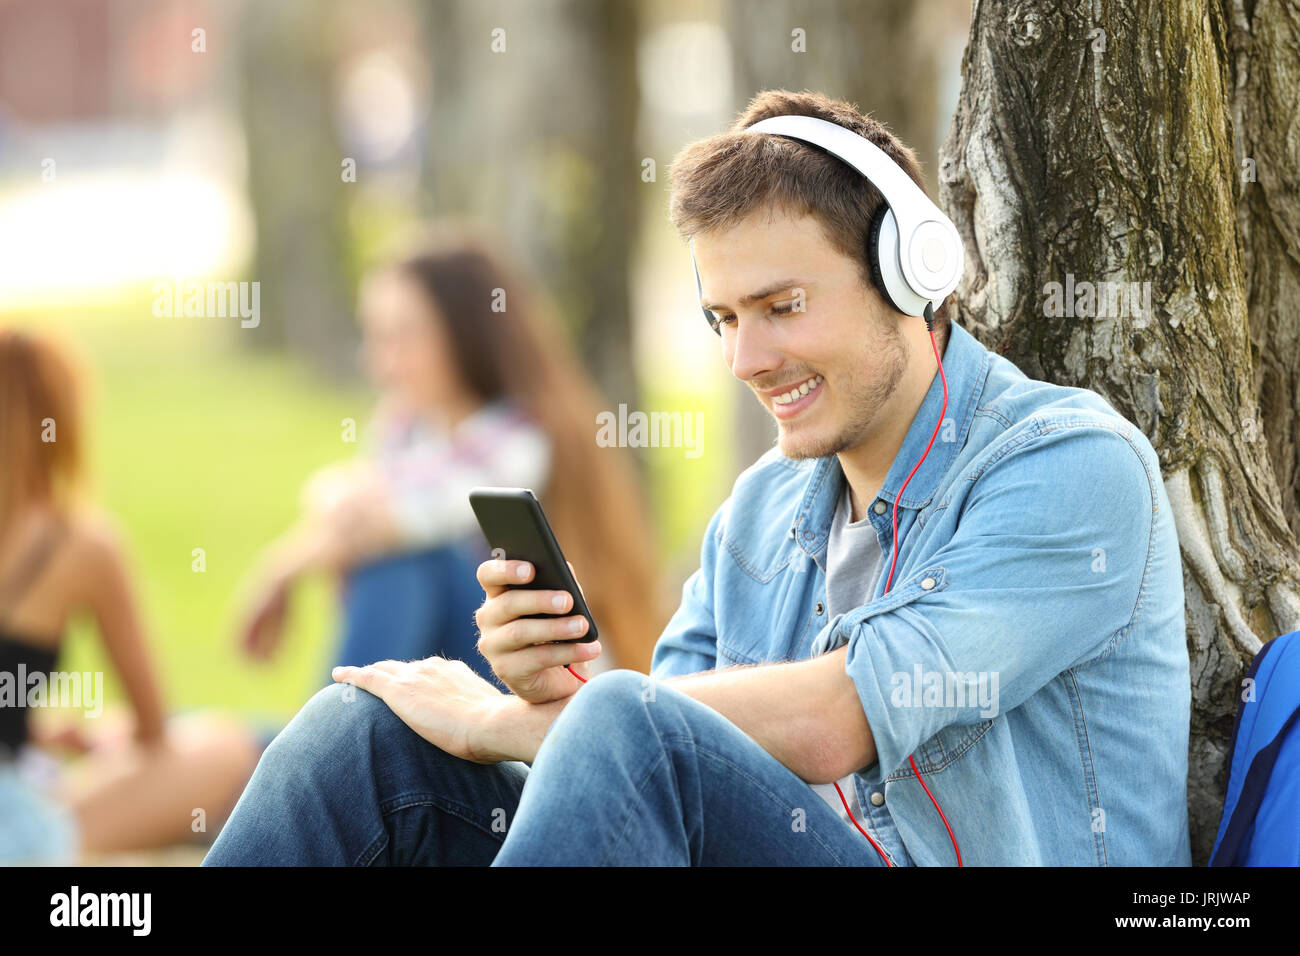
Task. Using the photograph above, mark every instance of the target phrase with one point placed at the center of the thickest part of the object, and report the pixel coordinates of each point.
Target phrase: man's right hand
(522, 651)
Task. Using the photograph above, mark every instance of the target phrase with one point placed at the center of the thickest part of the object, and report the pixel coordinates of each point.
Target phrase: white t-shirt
(429, 470)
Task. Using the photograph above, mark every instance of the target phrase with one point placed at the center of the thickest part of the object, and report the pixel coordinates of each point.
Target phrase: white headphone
(915, 252)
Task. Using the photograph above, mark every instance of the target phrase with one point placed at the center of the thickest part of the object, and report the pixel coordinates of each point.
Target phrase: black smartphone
(516, 528)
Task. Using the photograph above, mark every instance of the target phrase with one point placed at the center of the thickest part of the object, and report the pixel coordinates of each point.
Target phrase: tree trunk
(548, 153)
(1099, 147)
(1266, 99)
(295, 184)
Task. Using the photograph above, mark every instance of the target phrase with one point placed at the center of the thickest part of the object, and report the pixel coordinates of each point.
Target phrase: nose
(749, 353)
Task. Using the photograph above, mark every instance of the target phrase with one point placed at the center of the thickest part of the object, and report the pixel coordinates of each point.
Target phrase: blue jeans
(620, 779)
(413, 605)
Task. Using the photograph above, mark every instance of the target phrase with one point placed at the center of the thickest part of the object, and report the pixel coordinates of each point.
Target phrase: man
(1007, 686)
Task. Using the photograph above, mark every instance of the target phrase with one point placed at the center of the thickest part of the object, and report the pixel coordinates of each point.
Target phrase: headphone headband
(916, 251)
(929, 249)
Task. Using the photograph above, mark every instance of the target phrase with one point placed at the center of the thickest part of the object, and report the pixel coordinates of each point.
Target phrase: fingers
(520, 647)
(519, 602)
(522, 632)
(498, 575)
(503, 618)
(378, 678)
(524, 665)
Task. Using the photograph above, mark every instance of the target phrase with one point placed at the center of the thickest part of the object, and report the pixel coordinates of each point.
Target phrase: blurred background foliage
(147, 141)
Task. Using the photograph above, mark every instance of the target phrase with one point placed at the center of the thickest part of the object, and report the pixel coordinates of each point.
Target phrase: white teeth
(803, 389)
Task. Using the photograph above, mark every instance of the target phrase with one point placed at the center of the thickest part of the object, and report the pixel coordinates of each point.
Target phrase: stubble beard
(864, 404)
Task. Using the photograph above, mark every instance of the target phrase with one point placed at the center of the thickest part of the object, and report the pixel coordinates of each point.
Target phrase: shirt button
(877, 798)
(820, 607)
(879, 507)
(927, 584)
(807, 535)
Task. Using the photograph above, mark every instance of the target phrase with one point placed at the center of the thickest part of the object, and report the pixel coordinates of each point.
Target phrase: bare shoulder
(96, 542)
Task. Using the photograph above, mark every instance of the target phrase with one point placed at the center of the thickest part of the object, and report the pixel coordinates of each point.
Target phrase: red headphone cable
(929, 324)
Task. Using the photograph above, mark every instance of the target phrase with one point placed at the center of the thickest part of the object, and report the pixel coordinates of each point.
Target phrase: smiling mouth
(799, 391)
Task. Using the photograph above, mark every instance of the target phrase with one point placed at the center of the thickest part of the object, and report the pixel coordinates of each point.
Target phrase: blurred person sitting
(475, 389)
(133, 785)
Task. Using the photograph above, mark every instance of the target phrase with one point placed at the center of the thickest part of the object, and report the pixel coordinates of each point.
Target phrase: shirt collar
(965, 363)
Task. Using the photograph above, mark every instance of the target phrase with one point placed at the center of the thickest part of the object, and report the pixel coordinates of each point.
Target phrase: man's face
(796, 317)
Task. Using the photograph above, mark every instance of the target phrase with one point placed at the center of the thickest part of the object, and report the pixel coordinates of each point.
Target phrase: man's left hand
(442, 700)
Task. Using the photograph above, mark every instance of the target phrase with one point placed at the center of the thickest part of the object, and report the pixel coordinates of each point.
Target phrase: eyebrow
(762, 293)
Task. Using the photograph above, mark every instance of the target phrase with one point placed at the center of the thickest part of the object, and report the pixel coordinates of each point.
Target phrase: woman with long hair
(477, 387)
(137, 785)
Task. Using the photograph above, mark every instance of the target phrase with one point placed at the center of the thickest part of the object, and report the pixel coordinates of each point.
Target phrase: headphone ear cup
(873, 252)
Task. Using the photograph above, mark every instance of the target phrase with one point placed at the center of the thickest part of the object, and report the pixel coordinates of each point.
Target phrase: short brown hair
(718, 181)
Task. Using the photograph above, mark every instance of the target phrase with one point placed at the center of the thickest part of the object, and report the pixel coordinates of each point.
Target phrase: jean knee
(337, 715)
(612, 697)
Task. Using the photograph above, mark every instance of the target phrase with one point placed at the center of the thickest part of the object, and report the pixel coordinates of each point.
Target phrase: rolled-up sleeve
(1043, 572)
(689, 644)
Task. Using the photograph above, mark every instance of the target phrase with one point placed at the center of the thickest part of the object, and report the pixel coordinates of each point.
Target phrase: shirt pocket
(766, 618)
(944, 748)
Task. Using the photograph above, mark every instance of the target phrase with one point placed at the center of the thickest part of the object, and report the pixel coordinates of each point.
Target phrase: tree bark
(1096, 141)
(1265, 46)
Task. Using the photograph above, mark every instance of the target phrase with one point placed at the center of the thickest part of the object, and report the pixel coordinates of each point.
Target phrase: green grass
(197, 442)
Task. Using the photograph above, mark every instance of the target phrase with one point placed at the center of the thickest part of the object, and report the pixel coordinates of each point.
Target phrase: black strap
(1251, 795)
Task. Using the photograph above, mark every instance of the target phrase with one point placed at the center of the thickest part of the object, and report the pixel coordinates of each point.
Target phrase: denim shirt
(1030, 656)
